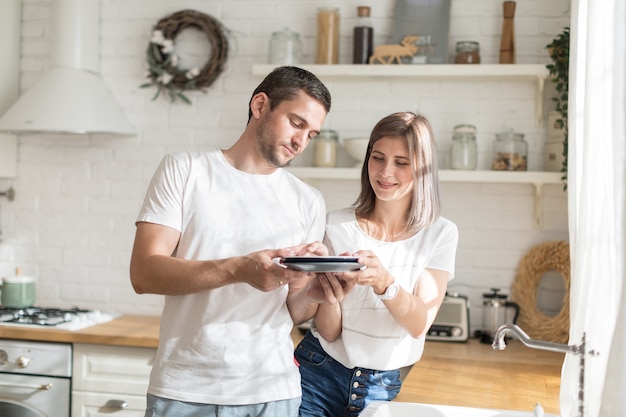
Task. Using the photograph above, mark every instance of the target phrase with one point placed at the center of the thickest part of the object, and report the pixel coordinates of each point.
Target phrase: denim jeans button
(355, 385)
(358, 373)
(353, 397)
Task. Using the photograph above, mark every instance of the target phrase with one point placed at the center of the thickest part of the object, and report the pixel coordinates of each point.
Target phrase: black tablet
(322, 263)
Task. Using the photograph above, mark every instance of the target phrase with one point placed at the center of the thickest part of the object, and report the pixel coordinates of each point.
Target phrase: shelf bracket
(537, 217)
(9, 194)
(539, 101)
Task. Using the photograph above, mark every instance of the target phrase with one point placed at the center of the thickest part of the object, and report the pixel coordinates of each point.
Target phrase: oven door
(34, 396)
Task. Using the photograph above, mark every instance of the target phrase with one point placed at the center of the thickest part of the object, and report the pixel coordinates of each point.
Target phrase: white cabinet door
(112, 369)
(110, 381)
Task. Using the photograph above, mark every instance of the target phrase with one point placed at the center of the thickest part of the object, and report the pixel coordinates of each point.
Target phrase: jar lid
(363, 11)
(467, 46)
(327, 134)
(510, 134)
(287, 32)
(465, 128)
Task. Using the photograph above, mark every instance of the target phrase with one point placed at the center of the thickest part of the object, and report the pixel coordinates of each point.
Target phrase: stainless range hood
(71, 97)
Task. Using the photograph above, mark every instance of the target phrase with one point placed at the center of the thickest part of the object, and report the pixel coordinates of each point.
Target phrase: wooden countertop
(136, 331)
(468, 374)
(472, 374)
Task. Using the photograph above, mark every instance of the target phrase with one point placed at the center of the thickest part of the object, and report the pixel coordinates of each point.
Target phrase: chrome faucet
(499, 344)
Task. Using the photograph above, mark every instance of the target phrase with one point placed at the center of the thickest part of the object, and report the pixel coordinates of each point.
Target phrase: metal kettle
(497, 311)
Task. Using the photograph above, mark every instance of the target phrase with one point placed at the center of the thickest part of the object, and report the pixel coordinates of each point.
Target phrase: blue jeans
(164, 407)
(330, 389)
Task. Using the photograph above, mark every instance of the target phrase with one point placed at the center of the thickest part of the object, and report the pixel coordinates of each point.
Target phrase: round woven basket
(542, 258)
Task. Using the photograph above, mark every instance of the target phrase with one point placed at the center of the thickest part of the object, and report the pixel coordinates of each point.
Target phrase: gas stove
(57, 318)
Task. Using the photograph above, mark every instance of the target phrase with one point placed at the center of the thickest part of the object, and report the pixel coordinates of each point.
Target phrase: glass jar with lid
(464, 151)
(467, 52)
(285, 47)
(510, 151)
(325, 149)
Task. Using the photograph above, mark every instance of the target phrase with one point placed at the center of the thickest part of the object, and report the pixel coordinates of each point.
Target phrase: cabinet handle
(42, 387)
(119, 404)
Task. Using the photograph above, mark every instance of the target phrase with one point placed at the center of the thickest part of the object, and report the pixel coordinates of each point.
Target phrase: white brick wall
(72, 222)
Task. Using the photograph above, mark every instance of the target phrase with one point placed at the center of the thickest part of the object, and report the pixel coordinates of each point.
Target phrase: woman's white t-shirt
(370, 336)
(230, 345)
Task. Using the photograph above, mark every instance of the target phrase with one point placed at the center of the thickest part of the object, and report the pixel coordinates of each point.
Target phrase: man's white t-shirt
(370, 336)
(230, 345)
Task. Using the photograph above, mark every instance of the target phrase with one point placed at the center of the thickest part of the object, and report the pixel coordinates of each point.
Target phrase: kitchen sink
(400, 409)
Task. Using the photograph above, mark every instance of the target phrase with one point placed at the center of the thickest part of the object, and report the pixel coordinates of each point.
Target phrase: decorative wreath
(163, 70)
(542, 258)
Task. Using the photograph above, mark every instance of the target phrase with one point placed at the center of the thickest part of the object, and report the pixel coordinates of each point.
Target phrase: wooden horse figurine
(387, 54)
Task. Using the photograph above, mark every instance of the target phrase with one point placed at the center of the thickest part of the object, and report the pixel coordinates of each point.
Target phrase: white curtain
(596, 186)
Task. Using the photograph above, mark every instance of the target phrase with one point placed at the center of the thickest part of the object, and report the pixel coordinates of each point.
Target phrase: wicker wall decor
(542, 258)
(163, 70)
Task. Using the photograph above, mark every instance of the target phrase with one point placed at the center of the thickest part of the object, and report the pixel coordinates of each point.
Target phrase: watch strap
(390, 292)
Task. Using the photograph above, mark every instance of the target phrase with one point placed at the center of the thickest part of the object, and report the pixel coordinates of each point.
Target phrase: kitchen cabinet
(536, 73)
(110, 380)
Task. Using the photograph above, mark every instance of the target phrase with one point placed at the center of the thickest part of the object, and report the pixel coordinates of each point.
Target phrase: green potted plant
(558, 50)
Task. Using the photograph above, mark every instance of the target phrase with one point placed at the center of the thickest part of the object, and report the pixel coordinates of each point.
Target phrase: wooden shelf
(536, 73)
(512, 177)
(536, 178)
(492, 71)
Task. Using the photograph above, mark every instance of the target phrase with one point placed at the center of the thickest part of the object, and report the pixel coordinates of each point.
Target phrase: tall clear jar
(327, 35)
(510, 152)
(464, 151)
(325, 149)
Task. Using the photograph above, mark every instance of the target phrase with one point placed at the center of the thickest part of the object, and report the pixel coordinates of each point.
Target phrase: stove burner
(42, 316)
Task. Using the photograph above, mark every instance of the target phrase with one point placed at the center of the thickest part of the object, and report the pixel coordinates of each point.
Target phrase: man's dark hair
(284, 83)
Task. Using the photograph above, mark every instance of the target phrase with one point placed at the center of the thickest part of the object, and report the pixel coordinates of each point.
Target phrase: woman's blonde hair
(425, 205)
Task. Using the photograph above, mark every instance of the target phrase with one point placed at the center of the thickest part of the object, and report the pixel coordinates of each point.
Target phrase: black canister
(363, 37)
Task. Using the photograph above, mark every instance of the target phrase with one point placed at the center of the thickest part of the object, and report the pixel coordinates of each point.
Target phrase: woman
(355, 349)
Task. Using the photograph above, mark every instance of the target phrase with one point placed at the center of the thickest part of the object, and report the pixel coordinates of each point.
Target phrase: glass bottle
(464, 151)
(327, 35)
(285, 48)
(509, 152)
(467, 52)
(363, 37)
(325, 149)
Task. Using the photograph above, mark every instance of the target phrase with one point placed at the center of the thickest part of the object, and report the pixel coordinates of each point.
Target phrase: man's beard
(267, 145)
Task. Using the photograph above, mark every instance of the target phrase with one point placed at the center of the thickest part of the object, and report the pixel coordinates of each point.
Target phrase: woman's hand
(327, 288)
(374, 275)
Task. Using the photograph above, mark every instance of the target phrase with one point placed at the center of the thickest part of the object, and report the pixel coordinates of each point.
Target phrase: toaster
(452, 321)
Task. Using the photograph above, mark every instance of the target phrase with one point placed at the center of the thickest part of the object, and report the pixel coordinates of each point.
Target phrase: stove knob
(23, 361)
(4, 358)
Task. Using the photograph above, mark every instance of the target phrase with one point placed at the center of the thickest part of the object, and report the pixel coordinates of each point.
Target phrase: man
(206, 238)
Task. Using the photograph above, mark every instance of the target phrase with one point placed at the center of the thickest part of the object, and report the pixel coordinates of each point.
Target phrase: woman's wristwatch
(391, 292)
